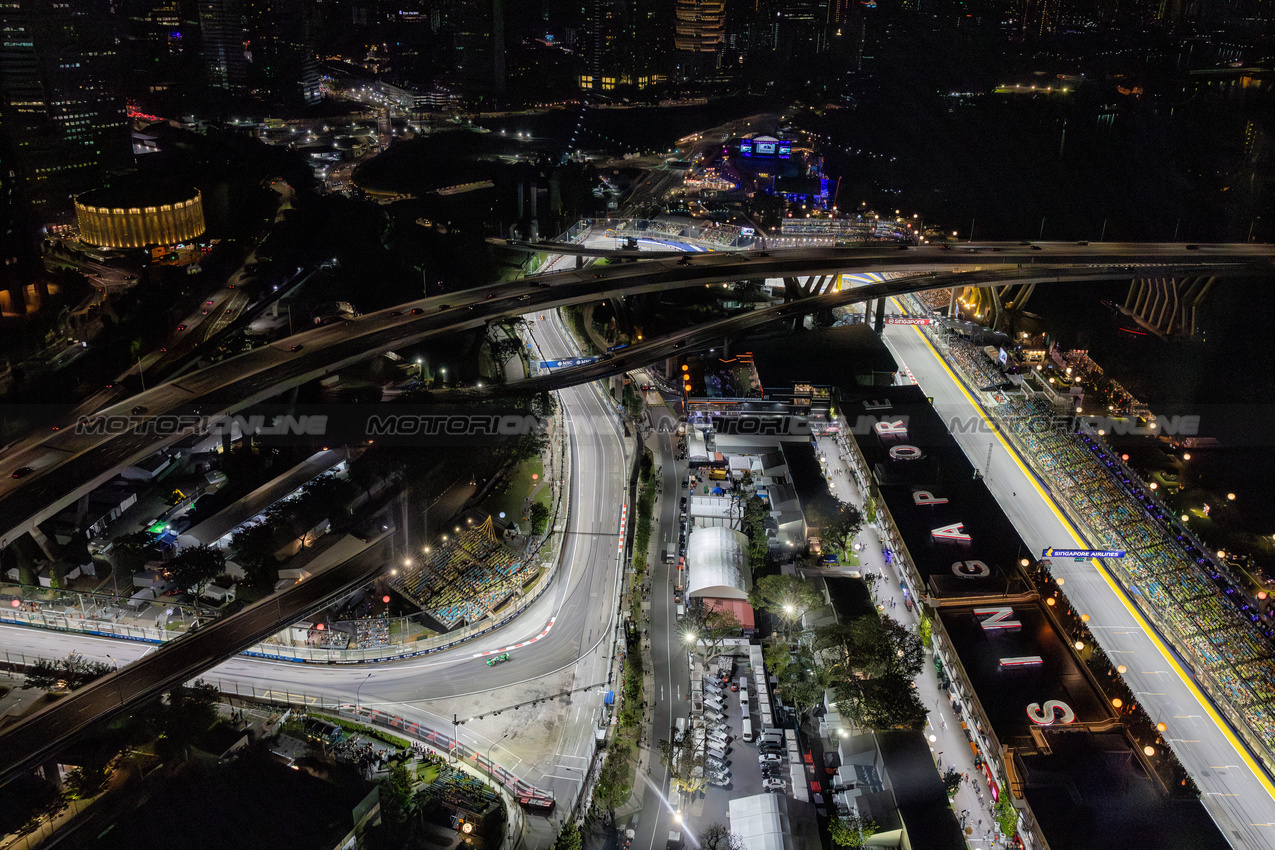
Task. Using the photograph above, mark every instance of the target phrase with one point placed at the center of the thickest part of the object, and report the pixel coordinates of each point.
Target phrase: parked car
(719, 780)
(773, 784)
(769, 758)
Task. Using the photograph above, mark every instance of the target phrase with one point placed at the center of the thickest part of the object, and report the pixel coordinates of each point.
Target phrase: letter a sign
(954, 532)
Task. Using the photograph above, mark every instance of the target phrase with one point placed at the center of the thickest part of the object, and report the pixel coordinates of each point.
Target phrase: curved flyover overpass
(68, 463)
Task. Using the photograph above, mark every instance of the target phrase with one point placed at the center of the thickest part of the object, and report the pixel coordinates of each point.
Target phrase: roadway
(1239, 796)
(578, 613)
(67, 464)
(39, 735)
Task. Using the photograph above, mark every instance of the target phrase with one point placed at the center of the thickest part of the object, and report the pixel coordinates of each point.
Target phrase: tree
(885, 702)
(188, 713)
(851, 830)
(74, 671)
(539, 516)
(612, 786)
(952, 781)
(130, 552)
(754, 525)
(872, 647)
(194, 566)
(685, 762)
(396, 794)
(788, 596)
(709, 626)
(838, 526)
(569, 837)
(717, 836)
(802, 672)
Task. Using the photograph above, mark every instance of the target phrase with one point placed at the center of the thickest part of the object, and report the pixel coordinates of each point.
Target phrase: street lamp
(358, 690)
(489, 749)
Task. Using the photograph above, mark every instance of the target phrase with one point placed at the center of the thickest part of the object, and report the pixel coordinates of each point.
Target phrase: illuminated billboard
(746, 147)
(785, 149)
(766, 147)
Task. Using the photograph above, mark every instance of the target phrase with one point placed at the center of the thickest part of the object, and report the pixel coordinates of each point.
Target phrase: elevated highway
(67, 464)
(353, 562)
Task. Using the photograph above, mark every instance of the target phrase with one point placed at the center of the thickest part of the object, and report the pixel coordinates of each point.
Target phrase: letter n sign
(1046, 717)
(999, 618)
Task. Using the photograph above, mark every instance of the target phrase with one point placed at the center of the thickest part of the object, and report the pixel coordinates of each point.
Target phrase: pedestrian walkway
(973, 802)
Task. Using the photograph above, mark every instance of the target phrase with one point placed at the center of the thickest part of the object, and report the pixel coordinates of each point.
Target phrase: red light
(17, 603)
(319, 627)
(535, 476)
(385, 599)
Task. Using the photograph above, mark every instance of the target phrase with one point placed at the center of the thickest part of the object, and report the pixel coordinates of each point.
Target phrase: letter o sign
(905, 453)
(1046, 717)
(971, 569)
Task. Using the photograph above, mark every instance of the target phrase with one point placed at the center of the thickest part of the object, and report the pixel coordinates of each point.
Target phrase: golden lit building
(139, 217)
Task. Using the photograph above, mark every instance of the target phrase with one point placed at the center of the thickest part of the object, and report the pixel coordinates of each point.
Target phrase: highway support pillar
(880, 315)
(867, 312)
(579, 261)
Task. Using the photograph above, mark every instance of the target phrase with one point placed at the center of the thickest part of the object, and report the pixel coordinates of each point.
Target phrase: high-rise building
(699, 25)
(479, 42)
(263, 48)
(62, 112)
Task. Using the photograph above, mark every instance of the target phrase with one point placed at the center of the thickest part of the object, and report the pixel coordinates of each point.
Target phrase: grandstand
(465, 578)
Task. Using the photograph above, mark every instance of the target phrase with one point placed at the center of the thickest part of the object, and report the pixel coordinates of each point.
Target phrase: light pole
(489, 749)
(358, 690)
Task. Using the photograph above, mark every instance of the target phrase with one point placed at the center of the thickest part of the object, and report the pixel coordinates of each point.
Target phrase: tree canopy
(194, 566)
(787, 596)
(838, 525)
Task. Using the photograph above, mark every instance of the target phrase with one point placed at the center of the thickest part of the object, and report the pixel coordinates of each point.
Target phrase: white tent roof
(717, 563)
(761, 822)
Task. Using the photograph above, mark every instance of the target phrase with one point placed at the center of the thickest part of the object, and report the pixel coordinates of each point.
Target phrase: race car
(492, 662)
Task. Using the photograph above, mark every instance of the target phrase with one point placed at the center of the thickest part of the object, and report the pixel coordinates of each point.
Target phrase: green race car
(492, 662)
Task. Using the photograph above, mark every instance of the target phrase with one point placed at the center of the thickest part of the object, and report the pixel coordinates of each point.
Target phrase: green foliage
(539, 515)
(396, 794)
(615, 779)
(790, 597)
(753, 522)
(75, 671)
(924, 629)
(569, 837)
(870, 509)
(370, 731)
(710, 626)
(851, 830)
(1006, 814)
(188, 713)
(642, 526)
(837, 526)
(129, 552)
(875, 663)
(682, 760)
(952, 781)
(646, 466)
(194, 566)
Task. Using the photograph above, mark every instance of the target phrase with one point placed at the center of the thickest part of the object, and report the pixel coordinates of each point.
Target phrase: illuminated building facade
(114, 218)
(699, 25)
(61, 111)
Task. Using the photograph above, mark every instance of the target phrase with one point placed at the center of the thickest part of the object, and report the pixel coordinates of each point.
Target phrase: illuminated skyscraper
(62, 114)
(699, 26)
